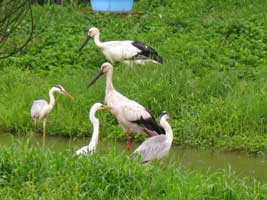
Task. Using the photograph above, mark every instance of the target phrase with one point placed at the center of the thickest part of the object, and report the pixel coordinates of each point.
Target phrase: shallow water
(186, 158)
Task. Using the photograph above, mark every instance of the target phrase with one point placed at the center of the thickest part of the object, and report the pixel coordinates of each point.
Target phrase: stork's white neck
(109, 84)
(167, 128)
(95, 123)
(97, 41)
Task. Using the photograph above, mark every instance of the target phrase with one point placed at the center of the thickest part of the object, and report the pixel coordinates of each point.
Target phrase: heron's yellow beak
(106, 107)
(65, 93)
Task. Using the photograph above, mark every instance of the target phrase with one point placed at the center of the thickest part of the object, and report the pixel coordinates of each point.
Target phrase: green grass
(213, 79)
(27, 172)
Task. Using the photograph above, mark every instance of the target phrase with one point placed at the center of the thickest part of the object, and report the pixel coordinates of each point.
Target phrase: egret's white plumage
(156, 147)
(131, 52)
(132, 116)
(94, 140)
(41, 108)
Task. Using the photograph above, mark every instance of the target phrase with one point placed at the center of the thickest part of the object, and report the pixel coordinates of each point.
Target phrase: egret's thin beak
(105, 107)
(65, 93)
(99, 73)
(85, 42)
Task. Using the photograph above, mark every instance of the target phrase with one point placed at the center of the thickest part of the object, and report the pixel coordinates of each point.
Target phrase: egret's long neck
(95, 123)
(167, 128)
(109, 84)
(98, 43)
(51, 98)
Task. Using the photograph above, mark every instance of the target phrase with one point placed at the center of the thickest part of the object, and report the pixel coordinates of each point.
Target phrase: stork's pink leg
(129, 143)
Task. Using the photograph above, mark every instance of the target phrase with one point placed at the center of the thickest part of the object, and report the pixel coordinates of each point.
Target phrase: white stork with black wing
(132, 116)
(131, 52)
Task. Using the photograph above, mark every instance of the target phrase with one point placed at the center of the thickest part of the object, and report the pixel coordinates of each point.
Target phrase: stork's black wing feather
(149, 124)
(162, 131)
(147, 52)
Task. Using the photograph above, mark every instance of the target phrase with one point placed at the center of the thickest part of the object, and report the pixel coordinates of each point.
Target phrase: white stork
(91, 147)
(156, 147)
(41, 108)
(131, 52)
(132, 116)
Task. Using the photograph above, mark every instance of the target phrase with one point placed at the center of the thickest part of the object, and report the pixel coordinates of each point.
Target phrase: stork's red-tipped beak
(97, 76)
(85, 42)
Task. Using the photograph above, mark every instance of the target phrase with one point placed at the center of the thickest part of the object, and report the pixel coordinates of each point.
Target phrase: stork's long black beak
(97, 76)
(85, 42)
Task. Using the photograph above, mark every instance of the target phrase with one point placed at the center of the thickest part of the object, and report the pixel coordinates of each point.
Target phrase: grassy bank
(213, 79)
(27, 172)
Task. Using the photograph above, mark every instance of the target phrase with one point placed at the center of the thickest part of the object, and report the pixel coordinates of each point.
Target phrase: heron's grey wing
(36, 108)
(154, 148)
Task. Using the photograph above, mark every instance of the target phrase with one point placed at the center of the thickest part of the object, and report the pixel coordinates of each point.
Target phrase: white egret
(132, 116)
(94, 140)
(131, 52)
(41, 108)
(156, 147)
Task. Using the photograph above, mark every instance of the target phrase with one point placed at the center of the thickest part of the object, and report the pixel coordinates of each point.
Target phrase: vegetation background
(213, 79)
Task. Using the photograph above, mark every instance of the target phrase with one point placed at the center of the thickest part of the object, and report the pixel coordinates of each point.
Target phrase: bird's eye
(104, 68)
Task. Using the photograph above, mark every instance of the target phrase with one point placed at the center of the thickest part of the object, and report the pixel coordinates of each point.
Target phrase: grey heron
(156, 147)
(132, 116)
(91, 147)
(41, 108)
(131, 52)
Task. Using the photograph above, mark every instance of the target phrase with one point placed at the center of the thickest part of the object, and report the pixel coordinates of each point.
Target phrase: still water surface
(188, 158)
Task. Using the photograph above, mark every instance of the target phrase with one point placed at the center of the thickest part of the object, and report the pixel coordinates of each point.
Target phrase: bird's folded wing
(140, 116)
(153, 147)
(146, 51)
(37, 107)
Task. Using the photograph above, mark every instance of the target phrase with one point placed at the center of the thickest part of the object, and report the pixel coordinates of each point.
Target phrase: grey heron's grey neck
(97, 41)
(167, 128)
(109, 84)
